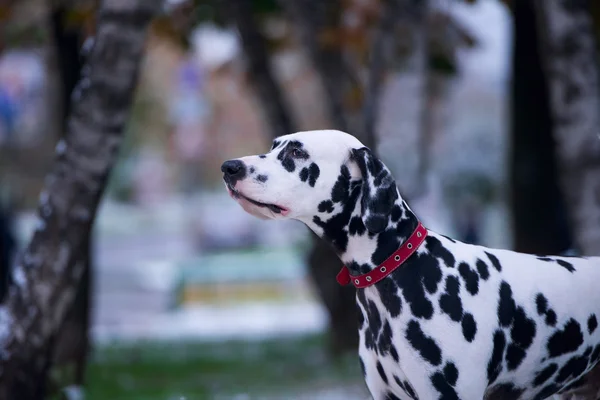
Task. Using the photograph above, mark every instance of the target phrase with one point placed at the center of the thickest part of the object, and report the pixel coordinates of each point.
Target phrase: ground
(292, 368)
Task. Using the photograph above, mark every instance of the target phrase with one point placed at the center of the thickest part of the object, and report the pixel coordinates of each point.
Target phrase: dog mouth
(238, 195)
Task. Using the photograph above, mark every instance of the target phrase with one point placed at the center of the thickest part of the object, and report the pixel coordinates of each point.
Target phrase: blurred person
(8, 116)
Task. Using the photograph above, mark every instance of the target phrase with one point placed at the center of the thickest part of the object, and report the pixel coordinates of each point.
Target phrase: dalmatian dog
(450, 320)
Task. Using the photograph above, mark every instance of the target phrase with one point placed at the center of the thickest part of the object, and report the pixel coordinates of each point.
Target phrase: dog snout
(233, 171)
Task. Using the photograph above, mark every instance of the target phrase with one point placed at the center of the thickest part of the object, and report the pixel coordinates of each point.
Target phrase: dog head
(314, 176)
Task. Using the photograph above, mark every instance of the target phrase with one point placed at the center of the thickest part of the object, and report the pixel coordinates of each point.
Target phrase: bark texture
(46, 277)
(72, 343)
(571, 65)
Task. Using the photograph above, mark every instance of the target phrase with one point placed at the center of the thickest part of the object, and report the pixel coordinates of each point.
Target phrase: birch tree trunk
(72, 344)
(569, 58)
(46, 278)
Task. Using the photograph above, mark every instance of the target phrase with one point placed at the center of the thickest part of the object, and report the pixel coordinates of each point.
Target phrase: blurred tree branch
(379, 62)
(273, 101)
(47, 275)
(318, 26)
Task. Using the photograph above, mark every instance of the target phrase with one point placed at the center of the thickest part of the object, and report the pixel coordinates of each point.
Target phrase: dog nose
(233, 170)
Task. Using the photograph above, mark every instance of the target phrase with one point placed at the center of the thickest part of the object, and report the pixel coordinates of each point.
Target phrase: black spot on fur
(592, 323)
(426, 346)
(377, 199)
(385, 339)
(410, 391)
(436, 249)
(471, 278)
(566, 265)
(506, 305)
(326, 206)
(396, 213)
(262, 156)
(495, 364)
(287, 162)
(391, 396)
(545, 374)
(432, 273)
(547, 391)
(356, 227)
(575, 367)
(252, 170)
(387, 243)
(358, 268)
(388, 294)
(394, 353)
(276, 144)
(334, 228)
(543, 309)
(523, 329)
(262, 178)
(310, 173)
(451, 373)
(446, 391)
(341, 188)
(514, 356)
(469, 327)
(494, 261)
(551, 318)
(374, 319)
(450, 302)
(382, 373)
(542, 304)
(422, 268)
(565, 340)
(361, 316)
(504, 391)
(398, 382)
(483, 270)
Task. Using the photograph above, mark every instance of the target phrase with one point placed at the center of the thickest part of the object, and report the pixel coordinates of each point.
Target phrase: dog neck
(361, 250)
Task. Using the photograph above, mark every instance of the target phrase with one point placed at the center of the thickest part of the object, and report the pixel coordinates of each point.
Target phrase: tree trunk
(47, 276)
(538, 212)
(72, 343)
(570, 62)
(273, 102)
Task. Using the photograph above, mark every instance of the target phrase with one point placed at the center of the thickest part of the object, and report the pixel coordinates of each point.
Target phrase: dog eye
(298, 153)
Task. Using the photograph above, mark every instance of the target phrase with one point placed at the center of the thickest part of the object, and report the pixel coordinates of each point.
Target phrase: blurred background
(184, 296)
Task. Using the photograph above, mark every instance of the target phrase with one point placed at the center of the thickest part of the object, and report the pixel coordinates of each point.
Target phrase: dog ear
(378, 190)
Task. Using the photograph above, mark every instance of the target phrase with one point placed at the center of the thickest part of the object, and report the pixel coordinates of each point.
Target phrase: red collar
(388, 266)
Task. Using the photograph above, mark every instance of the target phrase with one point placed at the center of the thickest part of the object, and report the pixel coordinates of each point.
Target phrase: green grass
(217, 370)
